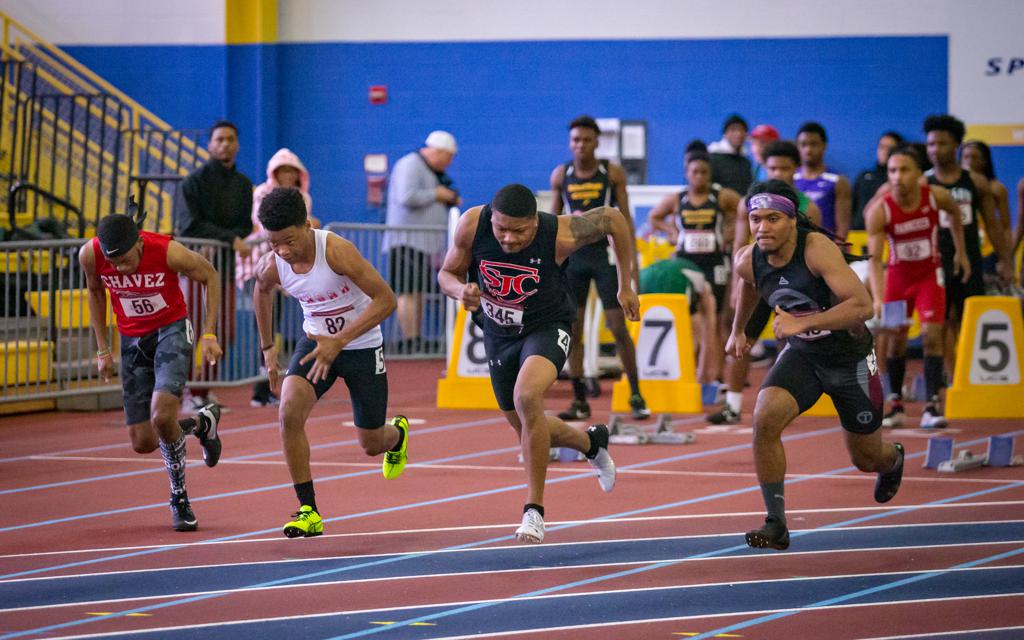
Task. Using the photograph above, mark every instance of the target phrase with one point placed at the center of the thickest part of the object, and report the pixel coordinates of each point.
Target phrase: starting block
(663, 433)
(999, 454)
(966, 460)
(939, 450)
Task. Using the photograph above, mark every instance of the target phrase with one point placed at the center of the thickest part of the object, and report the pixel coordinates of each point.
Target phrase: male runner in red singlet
(140, 269)
(908, 216)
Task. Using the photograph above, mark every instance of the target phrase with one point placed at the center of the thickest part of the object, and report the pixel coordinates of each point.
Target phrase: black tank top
(701, 238)
(581, 195)
(519, 292)
(797, 291)
(969, 200)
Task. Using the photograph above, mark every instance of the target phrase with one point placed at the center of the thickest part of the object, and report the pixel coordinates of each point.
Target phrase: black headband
(121, 245)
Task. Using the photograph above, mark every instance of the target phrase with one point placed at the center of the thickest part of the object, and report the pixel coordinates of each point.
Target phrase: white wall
(417, 20)
(125, 22)
(978, 30)
(981, 31)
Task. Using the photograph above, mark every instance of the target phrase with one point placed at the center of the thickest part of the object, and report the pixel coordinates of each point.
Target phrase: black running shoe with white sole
(182, 518)
(773, 535)
(209, 417)
(725, 416)
(578, 410)
(638, 408)
(888, 483)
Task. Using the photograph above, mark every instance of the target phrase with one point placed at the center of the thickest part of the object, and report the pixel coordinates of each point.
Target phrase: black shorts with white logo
(364, 373)
(854, 386)
(505, 357)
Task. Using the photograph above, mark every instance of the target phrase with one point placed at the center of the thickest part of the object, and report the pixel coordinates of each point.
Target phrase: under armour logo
(782, 280)
(534, 260)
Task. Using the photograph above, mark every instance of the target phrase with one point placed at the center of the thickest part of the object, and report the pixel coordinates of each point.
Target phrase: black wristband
(262, 349)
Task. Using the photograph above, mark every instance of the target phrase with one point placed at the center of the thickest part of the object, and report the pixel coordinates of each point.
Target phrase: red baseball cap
(765, 132)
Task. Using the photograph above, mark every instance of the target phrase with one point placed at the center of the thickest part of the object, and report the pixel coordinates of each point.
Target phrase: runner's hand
(326, 351)
(470, 297)
(105, 365)
(210, 349)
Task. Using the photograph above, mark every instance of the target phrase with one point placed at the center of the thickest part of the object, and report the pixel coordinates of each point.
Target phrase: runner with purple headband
(820, 308)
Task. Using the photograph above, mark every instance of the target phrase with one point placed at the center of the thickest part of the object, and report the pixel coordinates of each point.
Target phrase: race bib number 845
(504, 315)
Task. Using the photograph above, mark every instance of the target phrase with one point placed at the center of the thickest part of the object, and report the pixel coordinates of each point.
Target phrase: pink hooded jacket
(283, 158)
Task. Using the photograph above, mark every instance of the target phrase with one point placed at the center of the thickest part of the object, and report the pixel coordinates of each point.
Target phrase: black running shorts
(505, 356)
(364, 373)
(855, 387)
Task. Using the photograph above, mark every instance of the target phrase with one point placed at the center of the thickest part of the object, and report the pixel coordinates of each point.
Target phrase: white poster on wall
(986, 69)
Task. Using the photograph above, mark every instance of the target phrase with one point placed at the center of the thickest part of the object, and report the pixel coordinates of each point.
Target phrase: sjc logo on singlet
(508, 282)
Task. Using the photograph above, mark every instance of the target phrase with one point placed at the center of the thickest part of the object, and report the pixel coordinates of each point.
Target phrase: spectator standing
(869, 180)
(215, 202)
(284, 169)
(730, 167)
(419, 193)
(976, 156)
(759, 137)
(829, 190)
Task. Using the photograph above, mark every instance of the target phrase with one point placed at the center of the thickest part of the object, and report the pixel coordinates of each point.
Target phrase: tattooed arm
(578, 231)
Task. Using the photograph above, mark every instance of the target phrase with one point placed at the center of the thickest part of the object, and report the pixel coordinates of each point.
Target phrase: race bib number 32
(913, 250)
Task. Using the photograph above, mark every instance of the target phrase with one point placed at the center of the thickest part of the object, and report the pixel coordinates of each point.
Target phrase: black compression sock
(933, 375)
(634, 384)
(579, 390)
(536, 507)
(401, 439)
(774, 500)
(897, 372)
(304, 492)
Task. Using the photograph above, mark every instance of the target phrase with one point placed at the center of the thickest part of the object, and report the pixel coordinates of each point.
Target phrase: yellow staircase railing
(57, 72)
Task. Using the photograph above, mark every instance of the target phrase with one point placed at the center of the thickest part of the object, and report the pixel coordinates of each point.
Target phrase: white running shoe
(895, 417)
(532, 529)
(602, 462)
(932, 418)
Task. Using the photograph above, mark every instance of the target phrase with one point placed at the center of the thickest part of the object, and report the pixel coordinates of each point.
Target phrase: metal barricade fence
(46, 339)
(408, 258)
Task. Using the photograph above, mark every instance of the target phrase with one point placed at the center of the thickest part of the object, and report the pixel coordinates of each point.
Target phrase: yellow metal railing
(174, 153)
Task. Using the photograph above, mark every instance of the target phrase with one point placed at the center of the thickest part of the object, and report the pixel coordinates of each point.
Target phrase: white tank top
(329, 300)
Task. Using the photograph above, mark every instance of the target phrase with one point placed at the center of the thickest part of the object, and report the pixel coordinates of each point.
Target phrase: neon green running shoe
(394, 461)
(307, 523)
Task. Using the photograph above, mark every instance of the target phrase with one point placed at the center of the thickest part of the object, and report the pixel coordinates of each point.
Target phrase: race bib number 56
(143, 305)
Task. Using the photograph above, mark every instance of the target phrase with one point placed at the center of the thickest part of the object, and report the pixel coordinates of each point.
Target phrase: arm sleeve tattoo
(590, 227)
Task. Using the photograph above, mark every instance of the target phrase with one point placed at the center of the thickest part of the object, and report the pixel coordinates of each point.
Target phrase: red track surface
(436, 506)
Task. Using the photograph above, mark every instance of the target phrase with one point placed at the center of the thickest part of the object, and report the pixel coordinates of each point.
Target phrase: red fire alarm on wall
(378, 94)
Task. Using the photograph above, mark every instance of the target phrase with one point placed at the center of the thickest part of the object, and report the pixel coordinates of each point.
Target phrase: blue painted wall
(508, 103)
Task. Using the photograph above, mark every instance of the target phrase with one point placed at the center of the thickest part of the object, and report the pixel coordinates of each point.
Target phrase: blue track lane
(750, 598)
(174, 582)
